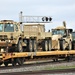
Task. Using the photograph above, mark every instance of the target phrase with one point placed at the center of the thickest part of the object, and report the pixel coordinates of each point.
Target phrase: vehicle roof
(60, 27)
(8, 21)
(34, 25)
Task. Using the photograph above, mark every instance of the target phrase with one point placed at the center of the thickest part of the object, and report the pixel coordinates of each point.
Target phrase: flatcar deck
(6, 56)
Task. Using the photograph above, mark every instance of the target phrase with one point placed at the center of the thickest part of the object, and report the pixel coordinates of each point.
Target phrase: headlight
(9, 41)
(2, 50)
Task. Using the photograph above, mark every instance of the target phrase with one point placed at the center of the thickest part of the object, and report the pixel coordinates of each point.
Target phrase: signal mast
(34, 19)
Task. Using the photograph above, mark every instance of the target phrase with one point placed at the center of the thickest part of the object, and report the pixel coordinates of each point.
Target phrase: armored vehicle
(10, 36)
(61, 38)
(36, 37)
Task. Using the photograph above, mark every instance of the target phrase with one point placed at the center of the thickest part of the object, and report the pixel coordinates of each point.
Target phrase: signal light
(43, 19)
(50, 19)
(46, 19)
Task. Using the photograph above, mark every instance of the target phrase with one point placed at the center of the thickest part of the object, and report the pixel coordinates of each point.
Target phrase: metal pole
(21, 17)
(21, 20)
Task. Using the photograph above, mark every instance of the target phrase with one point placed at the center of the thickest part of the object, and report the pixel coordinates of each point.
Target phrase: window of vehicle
(8, 28)
(1, 27)
(56, 32)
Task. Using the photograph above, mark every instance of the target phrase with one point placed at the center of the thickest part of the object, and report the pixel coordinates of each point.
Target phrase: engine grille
(3, 37)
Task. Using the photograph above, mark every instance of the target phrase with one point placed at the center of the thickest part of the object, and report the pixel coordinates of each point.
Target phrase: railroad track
(40, 61)
(32, 63)
(35, 67)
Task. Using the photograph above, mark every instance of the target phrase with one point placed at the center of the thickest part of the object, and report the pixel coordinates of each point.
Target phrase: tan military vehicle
(61, 38)
(10, 36)
(36, 37)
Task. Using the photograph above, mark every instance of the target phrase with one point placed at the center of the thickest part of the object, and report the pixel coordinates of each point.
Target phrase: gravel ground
(45, 74)
(39, 67)
(62, 74)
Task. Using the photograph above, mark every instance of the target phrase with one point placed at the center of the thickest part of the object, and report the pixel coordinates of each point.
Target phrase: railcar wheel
(14, 62)
(6, 63)
(20, 61)
(1, 63)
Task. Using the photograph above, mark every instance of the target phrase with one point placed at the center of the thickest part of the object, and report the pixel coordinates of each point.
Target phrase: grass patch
(59, 67)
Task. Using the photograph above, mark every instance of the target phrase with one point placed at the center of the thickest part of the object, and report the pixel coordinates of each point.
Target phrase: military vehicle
(61, 38)
(10, 36)
(36, 37)
(12, 39)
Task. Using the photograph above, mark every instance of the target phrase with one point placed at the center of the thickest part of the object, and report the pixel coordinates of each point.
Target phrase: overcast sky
(60, 10)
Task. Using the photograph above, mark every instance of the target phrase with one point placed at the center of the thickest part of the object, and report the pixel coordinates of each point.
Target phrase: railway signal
(47, 19)
(34, 19)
